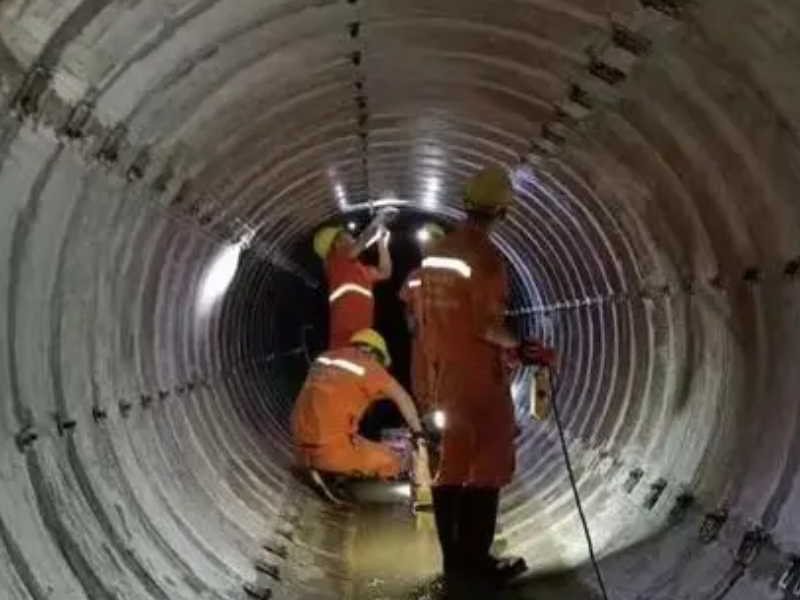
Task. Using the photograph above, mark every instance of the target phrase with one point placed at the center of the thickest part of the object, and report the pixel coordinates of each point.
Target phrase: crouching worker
(340, 387)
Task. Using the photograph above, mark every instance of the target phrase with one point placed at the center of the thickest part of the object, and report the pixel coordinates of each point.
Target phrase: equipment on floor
(342, 490)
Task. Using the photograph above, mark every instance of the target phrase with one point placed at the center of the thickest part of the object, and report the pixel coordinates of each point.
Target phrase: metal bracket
(125, 408)
(751, 545)
(26, 437)
(752, 275)
(791, 576)
(146, 400)
(64, 424)
(630, 40)
(75, 127)
(672, 8)
(28, 100)
(279, 550)
(139, 166)
(792, 268)
(99, 414)
(681, 507)
(578, 95)
(633, 479)
(656, 489)
(712, 525)
(112, 145)
(268, 568)
(611, 75)
(259, 593)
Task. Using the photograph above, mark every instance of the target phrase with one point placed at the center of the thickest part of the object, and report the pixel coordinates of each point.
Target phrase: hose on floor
(556, 415)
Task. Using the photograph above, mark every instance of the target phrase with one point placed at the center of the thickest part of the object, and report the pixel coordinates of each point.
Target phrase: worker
(411, 296)
(340, 387)
(350, 282)
(465, 339)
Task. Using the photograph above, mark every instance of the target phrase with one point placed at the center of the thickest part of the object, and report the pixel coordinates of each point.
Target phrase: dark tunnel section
(163, 166)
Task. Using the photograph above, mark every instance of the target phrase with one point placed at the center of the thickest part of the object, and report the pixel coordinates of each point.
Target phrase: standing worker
(465, 339)
(350, 282)
(340, 387)
(411, 296)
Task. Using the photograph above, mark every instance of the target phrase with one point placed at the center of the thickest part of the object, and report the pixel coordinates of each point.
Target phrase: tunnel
(164, 165)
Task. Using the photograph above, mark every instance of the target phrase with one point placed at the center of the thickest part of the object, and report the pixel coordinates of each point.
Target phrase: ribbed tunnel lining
(653, 245)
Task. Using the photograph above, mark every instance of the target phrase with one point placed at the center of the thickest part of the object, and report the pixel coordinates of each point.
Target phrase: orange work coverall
(465, 290)
(350, 285)
(411, 295)
(340, 386)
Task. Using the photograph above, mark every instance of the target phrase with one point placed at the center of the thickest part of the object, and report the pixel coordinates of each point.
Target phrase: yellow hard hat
(373, 339)
(434, 230)
(323, 240)
(489, 192)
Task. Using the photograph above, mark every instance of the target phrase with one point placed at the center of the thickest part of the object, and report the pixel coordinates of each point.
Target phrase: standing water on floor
(393, 557)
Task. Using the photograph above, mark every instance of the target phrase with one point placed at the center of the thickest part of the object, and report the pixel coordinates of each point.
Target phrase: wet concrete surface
(395, 556)
(390, 557)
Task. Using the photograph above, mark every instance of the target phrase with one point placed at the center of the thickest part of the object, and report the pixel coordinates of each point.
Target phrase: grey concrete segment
(144, 451)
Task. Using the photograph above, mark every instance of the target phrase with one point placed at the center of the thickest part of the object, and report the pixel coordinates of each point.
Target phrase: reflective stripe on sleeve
(349, 288)
(451, 264)
(345, 365)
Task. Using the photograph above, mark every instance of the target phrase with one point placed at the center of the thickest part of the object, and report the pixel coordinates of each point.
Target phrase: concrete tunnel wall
(655, 147)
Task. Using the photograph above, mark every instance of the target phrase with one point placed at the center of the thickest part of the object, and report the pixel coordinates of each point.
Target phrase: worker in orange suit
(350, 282)
(465, 340)
(340, 387)
(411, 296)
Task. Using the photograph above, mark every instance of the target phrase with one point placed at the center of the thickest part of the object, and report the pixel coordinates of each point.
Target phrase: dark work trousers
(466, 518)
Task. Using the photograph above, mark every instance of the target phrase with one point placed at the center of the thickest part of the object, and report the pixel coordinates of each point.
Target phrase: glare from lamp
(423, 235)
(439, 419)
(403, 490)
(219, 276)
(352, 226)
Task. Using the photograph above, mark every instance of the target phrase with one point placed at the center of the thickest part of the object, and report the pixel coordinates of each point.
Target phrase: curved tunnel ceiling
(154, 152)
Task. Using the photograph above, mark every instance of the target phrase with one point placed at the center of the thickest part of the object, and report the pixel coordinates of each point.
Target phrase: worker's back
(464, 294)
(350, 285)
(340, 386)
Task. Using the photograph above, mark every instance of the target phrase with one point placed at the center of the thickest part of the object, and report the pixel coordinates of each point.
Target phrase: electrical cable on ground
(574, 485)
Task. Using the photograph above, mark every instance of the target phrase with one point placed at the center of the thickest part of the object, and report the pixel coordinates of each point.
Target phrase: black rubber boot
(479, 517)
(447, 511)
(479, 508)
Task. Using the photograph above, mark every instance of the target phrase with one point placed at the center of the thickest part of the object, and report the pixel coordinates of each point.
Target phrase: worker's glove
(418, 437)
(533, 352)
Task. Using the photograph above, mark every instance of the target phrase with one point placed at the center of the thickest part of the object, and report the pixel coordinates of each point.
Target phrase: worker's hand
(533, 352)
(419, 436)
(386, 235)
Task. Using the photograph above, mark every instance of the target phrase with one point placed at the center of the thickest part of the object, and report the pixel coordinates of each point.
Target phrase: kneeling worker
(340, 387)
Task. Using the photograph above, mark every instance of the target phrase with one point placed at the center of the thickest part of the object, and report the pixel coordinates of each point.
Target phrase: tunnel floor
(390, 558)
(393, 557)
